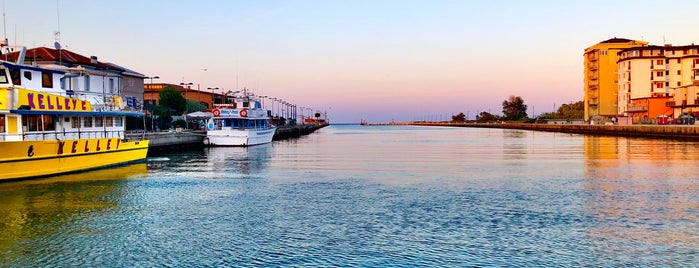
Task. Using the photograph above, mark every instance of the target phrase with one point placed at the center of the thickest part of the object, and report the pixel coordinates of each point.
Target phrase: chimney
(93, 59)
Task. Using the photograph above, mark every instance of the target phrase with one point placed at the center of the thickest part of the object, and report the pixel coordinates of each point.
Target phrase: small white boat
(242, 123)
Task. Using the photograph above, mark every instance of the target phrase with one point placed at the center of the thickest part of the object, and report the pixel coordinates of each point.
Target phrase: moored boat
(47, 130)
(241, 123)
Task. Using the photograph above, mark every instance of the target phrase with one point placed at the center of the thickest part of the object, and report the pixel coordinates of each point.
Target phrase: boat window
(30, 123)
(118, 122)
(48, 122)
(3, 76)
(75, 122)
(99, 121)
(87, 121)
(87, 83)
(14, 74)
(108, 121)
(2, 123)
(28, 75)
(46, 79)
(246, 104)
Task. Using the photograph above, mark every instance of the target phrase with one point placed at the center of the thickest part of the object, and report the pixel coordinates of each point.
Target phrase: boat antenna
(57, 35)
(4, 23)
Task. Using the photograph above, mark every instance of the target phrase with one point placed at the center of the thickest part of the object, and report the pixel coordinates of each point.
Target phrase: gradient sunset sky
(372, 60)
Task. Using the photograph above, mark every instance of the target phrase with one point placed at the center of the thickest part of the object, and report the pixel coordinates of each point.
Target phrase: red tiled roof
(67, 57)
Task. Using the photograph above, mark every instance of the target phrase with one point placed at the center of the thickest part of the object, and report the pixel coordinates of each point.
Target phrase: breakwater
(286, 132)
(689, 132)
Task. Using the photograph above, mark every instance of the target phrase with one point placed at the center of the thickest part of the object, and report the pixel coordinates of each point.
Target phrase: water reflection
(642, 195)
(39, 208)
(238, 160)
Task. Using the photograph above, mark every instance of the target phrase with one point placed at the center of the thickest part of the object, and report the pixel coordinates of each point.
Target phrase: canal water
(355, 196)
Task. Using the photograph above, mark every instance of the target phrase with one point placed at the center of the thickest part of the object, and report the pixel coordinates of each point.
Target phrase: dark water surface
(352, 196)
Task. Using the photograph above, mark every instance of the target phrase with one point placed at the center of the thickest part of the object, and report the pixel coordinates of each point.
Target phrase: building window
(87, 83)
(659, 73)
(659, 62)
(678, 61)
(46, 79)
(679, 72)
(659, 85)
(111, 85)
(678, 83)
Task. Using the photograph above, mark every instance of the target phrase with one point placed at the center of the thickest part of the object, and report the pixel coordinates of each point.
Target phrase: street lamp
(187, 88)
(152, 77)
(212, 95)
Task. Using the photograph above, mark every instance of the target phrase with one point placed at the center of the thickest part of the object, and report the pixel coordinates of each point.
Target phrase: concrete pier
(685, 132)
(287, 132)
(187, 139)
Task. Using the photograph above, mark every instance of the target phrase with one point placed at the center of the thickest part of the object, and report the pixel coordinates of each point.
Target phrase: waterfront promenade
(689, 132)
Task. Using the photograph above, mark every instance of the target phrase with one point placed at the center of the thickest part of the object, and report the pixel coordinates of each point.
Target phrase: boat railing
(63, 135)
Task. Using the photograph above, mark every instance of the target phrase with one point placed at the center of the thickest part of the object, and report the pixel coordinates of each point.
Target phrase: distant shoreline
(683, 132)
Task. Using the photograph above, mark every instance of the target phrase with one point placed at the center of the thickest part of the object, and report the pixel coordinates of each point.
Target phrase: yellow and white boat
(44, 130)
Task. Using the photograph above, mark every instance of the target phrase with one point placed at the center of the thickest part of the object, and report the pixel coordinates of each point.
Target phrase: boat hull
(28, 159)
(245, 137)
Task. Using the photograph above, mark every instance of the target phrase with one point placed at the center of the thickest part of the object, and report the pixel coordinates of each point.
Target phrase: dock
(177, 140)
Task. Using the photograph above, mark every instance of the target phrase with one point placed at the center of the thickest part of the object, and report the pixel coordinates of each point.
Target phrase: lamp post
(185, 98)
(212, 95)
(152, 77)
(188, 85)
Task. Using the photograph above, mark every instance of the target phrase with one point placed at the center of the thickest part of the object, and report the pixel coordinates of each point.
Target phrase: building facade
(657, 81)
(600, 76)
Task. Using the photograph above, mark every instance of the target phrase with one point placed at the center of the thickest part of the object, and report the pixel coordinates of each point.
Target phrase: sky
(373, 60)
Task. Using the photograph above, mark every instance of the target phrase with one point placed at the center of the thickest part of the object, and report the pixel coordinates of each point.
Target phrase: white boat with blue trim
(241, 123)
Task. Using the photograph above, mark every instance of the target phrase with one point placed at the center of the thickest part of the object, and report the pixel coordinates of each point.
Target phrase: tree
(513, 108)
(195, 106)
(486, 116)
(171, 99)
(572, 111)
(461, 117)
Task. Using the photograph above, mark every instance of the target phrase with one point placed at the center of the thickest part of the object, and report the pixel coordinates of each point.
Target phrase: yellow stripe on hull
(25, 159)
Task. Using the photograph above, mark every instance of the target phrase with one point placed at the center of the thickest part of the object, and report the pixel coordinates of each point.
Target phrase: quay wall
(183, 140)
(689, 132)
(287, 132)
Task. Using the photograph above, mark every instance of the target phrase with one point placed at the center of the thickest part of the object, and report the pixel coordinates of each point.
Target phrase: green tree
(171, 99)
(513, 108)
(486, 116)
(195, 106)
(461, 117)
(571, 111)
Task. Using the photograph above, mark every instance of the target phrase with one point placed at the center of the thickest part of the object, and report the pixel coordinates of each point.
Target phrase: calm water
(353, 196)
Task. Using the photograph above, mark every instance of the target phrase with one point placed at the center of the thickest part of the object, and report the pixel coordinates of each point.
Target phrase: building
(600, 76)
(207, 98)
(657, 81)
(86, 77)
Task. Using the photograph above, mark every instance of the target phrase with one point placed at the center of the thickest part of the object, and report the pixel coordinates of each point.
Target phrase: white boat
(241, 123)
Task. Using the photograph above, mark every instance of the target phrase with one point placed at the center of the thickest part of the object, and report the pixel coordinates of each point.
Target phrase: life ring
(244, 113)
(216, 112)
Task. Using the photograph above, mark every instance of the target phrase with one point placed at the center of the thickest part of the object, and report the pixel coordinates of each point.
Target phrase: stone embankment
(688, 132)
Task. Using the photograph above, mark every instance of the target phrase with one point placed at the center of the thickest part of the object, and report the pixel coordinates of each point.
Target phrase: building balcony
(636, 108)
(657, 67)
(658, 78)
(675, 104)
